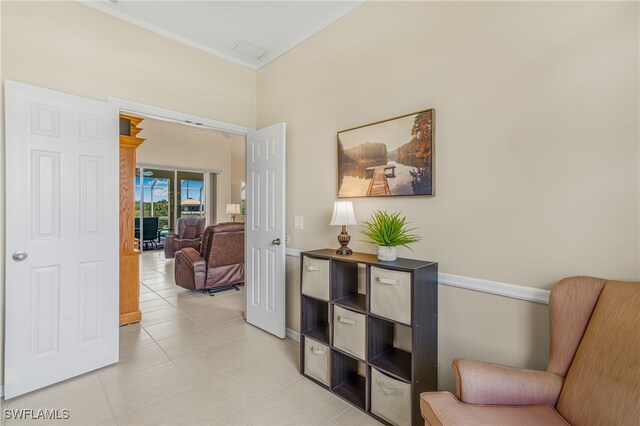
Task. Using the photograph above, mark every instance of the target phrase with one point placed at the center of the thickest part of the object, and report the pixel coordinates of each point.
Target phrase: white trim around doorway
(185, 118)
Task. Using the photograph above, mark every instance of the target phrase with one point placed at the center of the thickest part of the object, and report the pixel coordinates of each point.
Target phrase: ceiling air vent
(249, 49)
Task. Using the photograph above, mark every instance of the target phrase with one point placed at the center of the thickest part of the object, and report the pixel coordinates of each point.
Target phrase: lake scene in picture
(393, 157)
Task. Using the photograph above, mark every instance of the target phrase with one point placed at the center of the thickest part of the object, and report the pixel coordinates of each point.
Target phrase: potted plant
(388, 231)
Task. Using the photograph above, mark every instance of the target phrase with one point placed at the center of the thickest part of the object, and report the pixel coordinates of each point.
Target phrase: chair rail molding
(513, 291)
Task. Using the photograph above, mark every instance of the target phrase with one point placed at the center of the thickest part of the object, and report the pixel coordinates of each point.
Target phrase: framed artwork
(387, 158)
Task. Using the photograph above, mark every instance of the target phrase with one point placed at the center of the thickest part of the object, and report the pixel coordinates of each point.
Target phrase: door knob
(19, 256)
(276, 242)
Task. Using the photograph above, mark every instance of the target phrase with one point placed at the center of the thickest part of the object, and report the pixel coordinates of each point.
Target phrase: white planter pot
(387, 254)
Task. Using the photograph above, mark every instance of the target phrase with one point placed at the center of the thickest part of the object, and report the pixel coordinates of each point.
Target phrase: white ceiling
(217, 26)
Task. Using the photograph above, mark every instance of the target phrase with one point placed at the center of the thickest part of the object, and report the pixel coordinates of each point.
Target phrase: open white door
(61, 317)
(265, 229)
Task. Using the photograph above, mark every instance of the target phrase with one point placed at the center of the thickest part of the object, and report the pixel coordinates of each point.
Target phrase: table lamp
(233, 210)
(343, 216)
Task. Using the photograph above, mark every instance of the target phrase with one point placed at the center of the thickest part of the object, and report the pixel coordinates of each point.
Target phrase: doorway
(265, 241)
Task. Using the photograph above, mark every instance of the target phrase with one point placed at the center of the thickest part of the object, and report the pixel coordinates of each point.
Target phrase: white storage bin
(349, 331)
(316, 360)
(390, 398)
(391, 294)
(315, 278)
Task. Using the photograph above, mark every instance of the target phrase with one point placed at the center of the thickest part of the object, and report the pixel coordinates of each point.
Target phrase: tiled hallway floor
(192, 361)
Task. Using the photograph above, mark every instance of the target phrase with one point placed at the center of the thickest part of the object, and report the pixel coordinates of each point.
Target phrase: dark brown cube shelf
(314, 322)
(346, 382)
(395, 362)
(403, 346)
(355, 302)
(383, 355)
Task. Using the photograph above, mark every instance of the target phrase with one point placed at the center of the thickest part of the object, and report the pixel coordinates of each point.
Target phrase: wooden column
(129, 253)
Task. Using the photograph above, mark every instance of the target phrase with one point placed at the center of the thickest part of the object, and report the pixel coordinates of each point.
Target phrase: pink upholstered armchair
(593, 376)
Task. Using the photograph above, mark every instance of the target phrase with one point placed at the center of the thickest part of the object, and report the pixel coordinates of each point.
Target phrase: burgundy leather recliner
(189, 233)
(220, 261)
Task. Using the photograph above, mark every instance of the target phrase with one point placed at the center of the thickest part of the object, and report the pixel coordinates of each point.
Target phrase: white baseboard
(529, 294)
(293, 335)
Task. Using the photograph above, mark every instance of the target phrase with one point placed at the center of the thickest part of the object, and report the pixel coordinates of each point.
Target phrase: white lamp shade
(343, 214)
(233, 208)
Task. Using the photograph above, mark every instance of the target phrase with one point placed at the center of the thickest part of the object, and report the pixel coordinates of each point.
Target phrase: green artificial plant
(388, 229)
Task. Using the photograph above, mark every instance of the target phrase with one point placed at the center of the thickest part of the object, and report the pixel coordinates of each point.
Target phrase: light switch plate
(298, 222)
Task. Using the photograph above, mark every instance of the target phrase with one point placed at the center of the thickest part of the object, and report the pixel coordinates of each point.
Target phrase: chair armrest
(191, 257)
(190, 270)
(485, 383)
(169, 240)
(169, 249)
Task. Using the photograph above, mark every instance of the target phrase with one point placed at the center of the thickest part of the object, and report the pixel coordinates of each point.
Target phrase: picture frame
(393, 157)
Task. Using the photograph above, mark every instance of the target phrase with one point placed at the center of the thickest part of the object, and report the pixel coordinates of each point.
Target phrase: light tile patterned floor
(192, 361)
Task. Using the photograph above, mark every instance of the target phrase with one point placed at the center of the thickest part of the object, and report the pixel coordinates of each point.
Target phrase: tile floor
(192, 361)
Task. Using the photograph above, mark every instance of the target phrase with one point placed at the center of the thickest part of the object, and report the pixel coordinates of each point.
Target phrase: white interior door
(265, 229)
(61, 237)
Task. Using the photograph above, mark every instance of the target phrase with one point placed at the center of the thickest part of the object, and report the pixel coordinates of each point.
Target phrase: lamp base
(344, 251)
(344, 239)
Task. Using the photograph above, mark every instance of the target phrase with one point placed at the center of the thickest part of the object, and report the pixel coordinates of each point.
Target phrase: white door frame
(187, 119)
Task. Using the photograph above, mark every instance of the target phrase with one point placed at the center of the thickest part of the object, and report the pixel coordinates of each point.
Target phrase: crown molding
(272, 56)
(109, 11)
(265, 60)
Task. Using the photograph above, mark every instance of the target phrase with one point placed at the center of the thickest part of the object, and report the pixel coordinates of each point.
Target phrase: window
(191, 194)
(167, 195)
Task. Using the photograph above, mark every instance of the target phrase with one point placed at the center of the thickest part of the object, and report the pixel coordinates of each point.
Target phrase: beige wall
(178, 146)
(238, 173)
(536, 143)
(73, 48)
